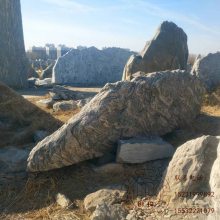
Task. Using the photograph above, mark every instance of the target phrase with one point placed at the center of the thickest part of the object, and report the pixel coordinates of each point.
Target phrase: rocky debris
(32, 73)
(109, 212)
(90, 66)
(65, 106)
(188, 173)
(167, 50)
(140, 150)
(47, 83)
(39, 135)
(110, 168)
(46, 103)
(108, 196)
(62, 93)
(47, 73)
(207, 69)
(83, 102)
(13, 159)
(13, 61)
(62, 200)
(151, 105)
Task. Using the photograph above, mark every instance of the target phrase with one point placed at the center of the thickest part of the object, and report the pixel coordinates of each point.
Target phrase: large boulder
(167, 50)
(207, 68)
(150, 105)
(13, 61)
(90, 66)
(193, 174)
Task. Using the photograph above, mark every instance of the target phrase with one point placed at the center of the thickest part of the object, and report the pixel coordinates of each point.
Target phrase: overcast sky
(121, 23)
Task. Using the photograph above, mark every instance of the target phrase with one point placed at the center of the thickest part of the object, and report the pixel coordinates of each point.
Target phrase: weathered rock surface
(140, 150)
(83, 102)
(90, 66)
(109, 212)
(62, 93)
(108, 196)
(150, 105)
(13, 60)
(208, 70)
(167, 50)
(194, 172)
(110, 168)
(47, 82)
(65, 106)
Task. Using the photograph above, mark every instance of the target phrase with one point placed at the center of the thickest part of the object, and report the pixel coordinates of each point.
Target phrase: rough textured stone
(108, 196)
(140, 150)
(208, 70)
(189, 171)
(110, 168)
(47, 83)
(151, 105)
(109, 212)
(65, 106)
(62, 93)
(13, 61)
(166, 51)
(83, 102)
(90, 66)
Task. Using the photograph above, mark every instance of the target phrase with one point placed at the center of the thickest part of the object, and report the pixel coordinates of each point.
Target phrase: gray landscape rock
(167, 50)
(65, 106)
(62, 93)
(47, 103)
(109, 212)
(90, 66)
(140, 150)
(13, 159)
(154, 104)
(47, 82)
(189, 171)
(13, 61)
(108, 196)
(208, 70)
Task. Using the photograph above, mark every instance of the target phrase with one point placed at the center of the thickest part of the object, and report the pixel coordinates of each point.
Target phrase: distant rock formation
(208, 70)
(90, 66)
(168, 50)
(13, 61)
(148, 105)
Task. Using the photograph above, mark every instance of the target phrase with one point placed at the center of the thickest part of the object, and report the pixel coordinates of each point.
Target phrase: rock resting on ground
(148, 105)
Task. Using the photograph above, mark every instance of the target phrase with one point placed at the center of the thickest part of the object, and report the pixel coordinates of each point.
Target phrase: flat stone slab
(140, 150)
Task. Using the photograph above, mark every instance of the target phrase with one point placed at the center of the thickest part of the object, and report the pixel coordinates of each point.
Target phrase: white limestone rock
(90, 66)
(140, 150)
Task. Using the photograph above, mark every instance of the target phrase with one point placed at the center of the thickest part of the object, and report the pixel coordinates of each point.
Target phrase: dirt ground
(33, 196)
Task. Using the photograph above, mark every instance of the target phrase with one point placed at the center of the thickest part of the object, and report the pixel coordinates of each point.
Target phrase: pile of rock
(148, 105)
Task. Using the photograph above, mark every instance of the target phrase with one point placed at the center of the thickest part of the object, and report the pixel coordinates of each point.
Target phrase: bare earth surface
(33, 196)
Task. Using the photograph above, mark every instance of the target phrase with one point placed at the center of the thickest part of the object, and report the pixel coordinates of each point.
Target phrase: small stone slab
(140, 150)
